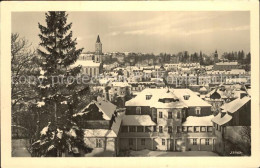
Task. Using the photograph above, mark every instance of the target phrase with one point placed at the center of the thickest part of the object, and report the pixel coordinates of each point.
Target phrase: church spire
(98, 39)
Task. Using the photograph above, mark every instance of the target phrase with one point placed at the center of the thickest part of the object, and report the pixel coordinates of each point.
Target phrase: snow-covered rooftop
(107, 108)
(86, 63)
(120, 84)
(198, 121)
(203, 89)
(161, 93)
(227, 63)
(237, 71)
(235, 105)
(221, 120)
(136, 120)
(110, 133)
(99, 133)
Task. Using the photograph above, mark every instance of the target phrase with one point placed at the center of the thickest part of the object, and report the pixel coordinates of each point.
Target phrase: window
(207, 142)
(194, 142)
(154, 113)
(154, 129)
(131, 141)
(142, 141)
(169, 129)
(178, 115)
(124, 129)
(160, 129)
(202, 129)
(184, 129)
(186, 97)
(148, 97)
(160, 114)
(178, 129)
(209, 129)
(148, 129)
(196, 129)
(138, 110)
(132, 129)
(163, 141)
(190, 129)
(94, 71)
(140, 129)
(98, 143)
(197, 110)
(169, 115)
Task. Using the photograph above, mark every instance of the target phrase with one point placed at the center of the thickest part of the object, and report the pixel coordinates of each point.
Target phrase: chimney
(242, 95)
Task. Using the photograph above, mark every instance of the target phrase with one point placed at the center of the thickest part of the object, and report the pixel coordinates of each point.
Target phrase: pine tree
(58, 90)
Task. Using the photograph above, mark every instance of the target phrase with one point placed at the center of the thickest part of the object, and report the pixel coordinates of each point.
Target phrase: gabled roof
(235, 105)
(107, 108)
(110, 133)
(136, 120)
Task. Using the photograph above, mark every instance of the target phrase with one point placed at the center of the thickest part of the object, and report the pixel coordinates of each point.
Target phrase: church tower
(216, 57)
(98, 51)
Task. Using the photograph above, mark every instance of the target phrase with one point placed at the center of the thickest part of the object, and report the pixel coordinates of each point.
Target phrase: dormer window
(148, 96)
(186, 96)
(138, 110)
(198, 110)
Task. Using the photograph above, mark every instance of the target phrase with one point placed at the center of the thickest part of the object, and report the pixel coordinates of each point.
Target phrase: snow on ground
(146, 152)
(99, 152)
(19, 148)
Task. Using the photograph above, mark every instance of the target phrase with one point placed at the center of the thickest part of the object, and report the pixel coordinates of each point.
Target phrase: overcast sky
(149, 32)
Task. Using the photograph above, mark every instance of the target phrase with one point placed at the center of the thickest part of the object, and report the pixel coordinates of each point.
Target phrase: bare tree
(24, 67)
(245, 133)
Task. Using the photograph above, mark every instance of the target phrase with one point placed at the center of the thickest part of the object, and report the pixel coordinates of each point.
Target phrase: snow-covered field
(145, 153)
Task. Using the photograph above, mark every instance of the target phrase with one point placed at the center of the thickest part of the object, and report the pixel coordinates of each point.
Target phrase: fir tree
(58, 90)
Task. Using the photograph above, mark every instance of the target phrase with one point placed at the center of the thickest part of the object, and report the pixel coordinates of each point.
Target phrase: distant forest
(183, 57)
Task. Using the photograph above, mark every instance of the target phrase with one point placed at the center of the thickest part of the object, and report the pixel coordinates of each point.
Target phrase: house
(101, 122)
(117, 93)
(232, 126)
(154, 120)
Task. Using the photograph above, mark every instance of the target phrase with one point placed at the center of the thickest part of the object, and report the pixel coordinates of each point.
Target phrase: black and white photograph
(131, 84)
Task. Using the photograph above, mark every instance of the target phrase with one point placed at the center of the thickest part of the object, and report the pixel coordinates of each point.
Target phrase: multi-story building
(166, 119)
(101, 121)
(232, 127)
(117, 93)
